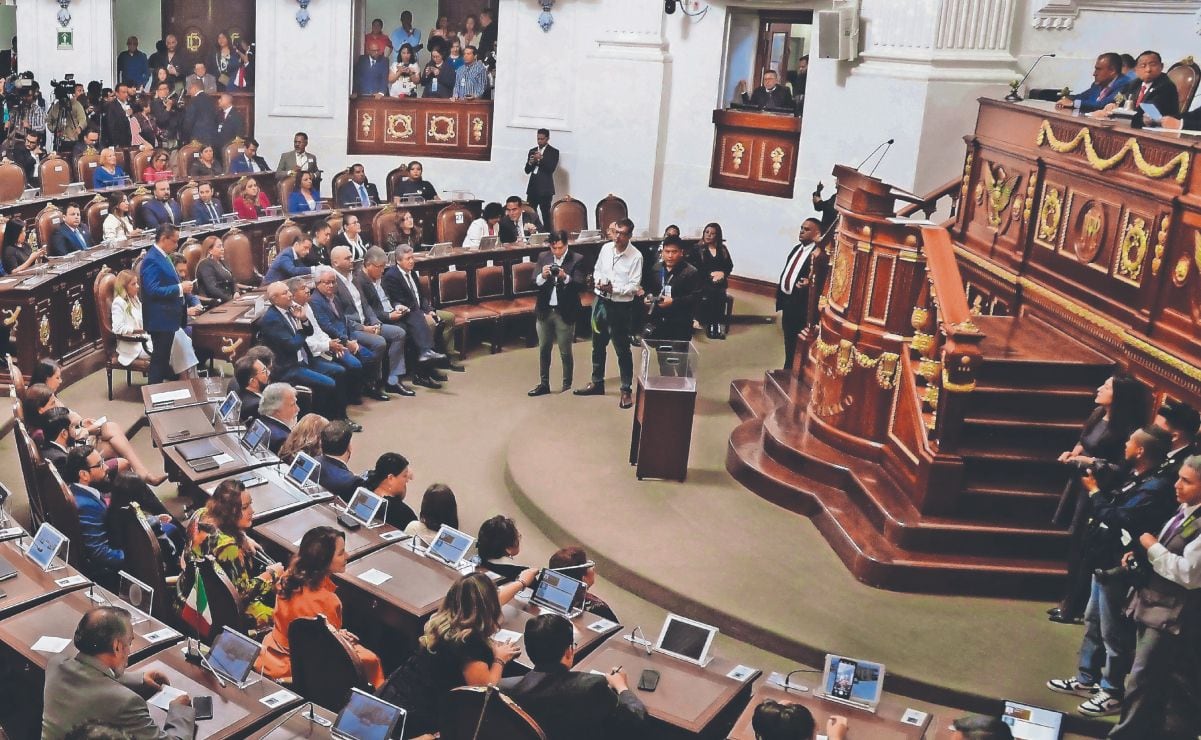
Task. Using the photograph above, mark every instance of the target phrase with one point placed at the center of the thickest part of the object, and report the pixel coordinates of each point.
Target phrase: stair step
(996, 503)
(747, 399)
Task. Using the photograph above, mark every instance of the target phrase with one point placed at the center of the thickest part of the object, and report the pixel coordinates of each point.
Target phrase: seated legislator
(252, 377)
(336, 475)
(305, 590)
(27, 156)
(84, 469)
(94, 686)
(560, 277)
(371, 72)
(574, 562)
(206, 165)
(127, 321)
(672, 294)
(373, 320)
(219, 529)
(322, 239)
(471, 79)
(415, 185)
(567, 703)
(406, 231)
(1108, 82)
(213, 278)
(68, 236)
(1150, 85)
(771, 94)
(773, 720)
(157, 169)
(249, 161)
(108, 174)
(497, 544)
(88, 144)
(206, 209)
(713, 261)
(162, 208)
(278, 409)
(351, 237)
(118, 224)
(16, 254)
(361, 364)
(400, 284)
(305, 437)
(438, 77)
(305, 197)
(455, 650)
(488, 224)
(516, 226)
(56, 442)
(283, 328)
(390, 478)
(251, 202)
(357, 191)
(438, 507)
(289, 263)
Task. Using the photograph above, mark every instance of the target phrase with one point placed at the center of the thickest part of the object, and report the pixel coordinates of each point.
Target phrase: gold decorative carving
(1049, 215)
(951, 387)
(11, 316)
(777, 160)
(1161, 243)
(442, 128)
(1084, 136)
(44, 330)
(1180, 273)
(399, 126)
(1000, 191)
(929, 369)
(920, 317)
(229, 347)
(979, 193)
(886, 364)
(922, 342)
(193, 41)
(77, 314)
(1132, 250)
(477, 129)
(736, 153)
(1030, 185)
(366, 123)
(840, 284)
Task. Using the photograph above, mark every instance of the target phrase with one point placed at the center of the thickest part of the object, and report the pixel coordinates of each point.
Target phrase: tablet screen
(364, 505)
(1032, 723)
(367, 718)
(450, 545)
(557, 591)
(302, 468)
(227, 406)
(233, 655)
(45, 545)
(256, 436)
(858, 681)
(685, 638)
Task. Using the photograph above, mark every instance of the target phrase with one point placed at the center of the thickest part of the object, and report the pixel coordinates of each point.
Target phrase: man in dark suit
(26, 155)
(676, 285)
(792, 289)
(278, 409)
(561, 274)
(400, 285)
(252, 377)
(162, 208)
(380, 317)
(540, 165)
(1181, 421)
(567, 703)
(200, 117)
(357, 191)
(362, 365)
(56, 438)
(249, 160)
(89, 143)
(206, 209)
(68, 236)
(371, 72)
(163, 299)
(516, 226)
(94, 685)
(283, 328)
(229, 123)
(116, 119)
(386, 341)
(336, 476)
(771, 94)
(1151, 85)
(289, 263)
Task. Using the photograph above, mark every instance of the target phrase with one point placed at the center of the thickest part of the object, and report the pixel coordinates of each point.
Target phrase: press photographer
(66, 118)
(26, 110)
(675, 286)
(561, 275)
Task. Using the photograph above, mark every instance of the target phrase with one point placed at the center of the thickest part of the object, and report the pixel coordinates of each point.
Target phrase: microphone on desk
(878, 148)
(636, 640)
(204, 661)
(1013, 95)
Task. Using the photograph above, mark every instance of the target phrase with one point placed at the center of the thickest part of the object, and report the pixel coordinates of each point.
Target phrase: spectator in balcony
(371, 73)
(438, 78)
(471, 80)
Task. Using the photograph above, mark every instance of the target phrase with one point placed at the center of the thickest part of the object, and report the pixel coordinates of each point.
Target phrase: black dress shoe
(440, 377)
(1057, 615)
(539, 390)
(377, 394)
(430, 356)
(566, 387)
(626, 401)
(425, 382)
(592, 389)
(454, 367)
(354, 426)
(401, 389)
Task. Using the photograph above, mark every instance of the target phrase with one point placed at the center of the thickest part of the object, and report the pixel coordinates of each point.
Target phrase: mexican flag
(196, 612)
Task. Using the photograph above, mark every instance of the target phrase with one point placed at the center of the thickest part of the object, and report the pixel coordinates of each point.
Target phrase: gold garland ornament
(886, 364)
(1133, 250)
(1180, 162)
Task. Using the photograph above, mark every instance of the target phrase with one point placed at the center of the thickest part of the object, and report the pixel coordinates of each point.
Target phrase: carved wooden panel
(196, 24)
(421, 127)
(755, 152)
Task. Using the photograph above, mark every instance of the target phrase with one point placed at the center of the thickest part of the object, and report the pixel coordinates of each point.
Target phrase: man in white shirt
(792, 290)
(618, 280)
(487, 225)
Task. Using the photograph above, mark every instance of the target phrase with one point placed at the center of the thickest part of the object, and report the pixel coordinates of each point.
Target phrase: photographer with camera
(675, 286)
(66, 118)
(1139, 502)
(561, 274)
(1163, 693)
(26, 110)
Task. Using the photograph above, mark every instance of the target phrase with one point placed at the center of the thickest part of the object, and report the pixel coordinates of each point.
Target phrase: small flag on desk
(196, 612)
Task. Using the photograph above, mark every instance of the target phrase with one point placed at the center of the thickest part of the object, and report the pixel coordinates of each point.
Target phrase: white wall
(8, 27)
(92, 56)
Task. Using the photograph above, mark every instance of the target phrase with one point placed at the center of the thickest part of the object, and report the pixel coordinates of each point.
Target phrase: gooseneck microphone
(1013, 95)
(883, 144)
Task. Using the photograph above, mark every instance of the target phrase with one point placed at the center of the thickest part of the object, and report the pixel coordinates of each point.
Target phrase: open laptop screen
(1032, 723)
(450, 545)
(557, 592)
(685, 639)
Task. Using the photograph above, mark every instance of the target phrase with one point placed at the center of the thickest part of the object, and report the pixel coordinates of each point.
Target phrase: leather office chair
(56, 173)
(339, 180)
(490, 294)
(192, 251)
(568, 214)
(136, 201)
(47, 221)
(187, 196)
(394, 178)
(285, 188)
(123, 159)
(1186, 75)
(233, 150)
(102, 291)
(141, 160)
(31, 460)
(222, 597)
(232, 193)
(287, 234)
(144, 559)
(94, 214)
(63, 514)
(521, 300)
(85, 168)
(16, 378)
(453, 222)
(12, 181)
(610, 209)
(484, 713)
(531, 215)
(385, 227)
(324, 665)
(240, 258)
(184, 157)
(453, 296)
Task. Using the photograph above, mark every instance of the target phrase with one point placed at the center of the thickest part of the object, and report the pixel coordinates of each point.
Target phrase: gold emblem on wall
(477, 129)
(76, 314)
(11, 316)
(44, 330)
(736, 153)
(399, 127)
(442, 128)
(366, 124)
(1049, 215)
(193, 40)
(777, 160)
(1090, 233)
(1132, 250)
(1000, 191)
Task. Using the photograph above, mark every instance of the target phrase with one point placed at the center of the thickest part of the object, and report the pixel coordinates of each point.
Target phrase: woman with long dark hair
(16, 254)
(712, 260)
(438, 507)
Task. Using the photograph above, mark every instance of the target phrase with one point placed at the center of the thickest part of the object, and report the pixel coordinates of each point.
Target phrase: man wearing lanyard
(678, 285)
(560, 276)
(792, 292)
(618, 280)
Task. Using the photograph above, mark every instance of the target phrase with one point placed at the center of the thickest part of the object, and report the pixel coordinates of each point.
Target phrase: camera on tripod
(65, 89)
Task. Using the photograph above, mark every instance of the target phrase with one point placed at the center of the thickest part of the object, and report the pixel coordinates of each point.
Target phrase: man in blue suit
(289, 263)
(162, 209)
(249, 160)
(200, 116)
(1108, 81)
(207, 209)
(85, 468)
(164, 304)
(360, 362)
(371, 72)
(336, 476)
(68, 237)
(283, 328)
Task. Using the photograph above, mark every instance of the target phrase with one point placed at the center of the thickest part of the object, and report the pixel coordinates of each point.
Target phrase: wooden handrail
(929, 202)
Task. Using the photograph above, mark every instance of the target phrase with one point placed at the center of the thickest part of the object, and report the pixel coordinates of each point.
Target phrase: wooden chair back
(610, 209)
(339, 180)
(523, 275)
(385, 227)
(395, 177)
(453, 222)
(31, 460)
(285, 188)
(568, 214)
(239, 257)
(452, 287)
(187, 197)
(144, 559)
(16, 378)
(484, 713)
(136, 201)
(325, 667)
(489, 282)
(223, 600)
(12, 181)
(1185, 75)
(192, 251)
(103, 290)
(85, 168)
(233, 150)
(185, 155)
(141, 160)
(62, 513)
(47, 221)
(94, 214)
(56, 173)
(287, 234)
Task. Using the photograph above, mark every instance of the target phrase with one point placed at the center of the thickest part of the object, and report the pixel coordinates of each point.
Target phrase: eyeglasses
(93, 466)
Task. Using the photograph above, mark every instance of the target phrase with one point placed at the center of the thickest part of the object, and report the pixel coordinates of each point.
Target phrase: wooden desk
(230, 445)
(275, 497)
(420, 127)
(32, 585)
(755, 152)
(235, 711)
(280, 535)
(296, 725)
(226, 330)
(177, 425)
(885, 724)
(59, 617)
(691, 701)
(517, 612)
(196, 387)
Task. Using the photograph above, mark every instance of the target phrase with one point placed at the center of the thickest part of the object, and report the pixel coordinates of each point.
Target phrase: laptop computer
(366, 717)
(198, 449)
(489, 242)
(686, 639)
(558, 593)
(539, 239)
(858, 683)
(1027, 722)
(303, 472)
(74, 188)
(233, 655)
(29, 194)
(364, 507)
(589, 234)
(450, 545)
(441, 249)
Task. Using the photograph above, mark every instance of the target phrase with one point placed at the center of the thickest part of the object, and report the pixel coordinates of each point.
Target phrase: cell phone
(204, 464)
(203, 705)
(100, 422)
(649, 680)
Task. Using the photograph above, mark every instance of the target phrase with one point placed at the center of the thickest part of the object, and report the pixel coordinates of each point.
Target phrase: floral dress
(255, 586)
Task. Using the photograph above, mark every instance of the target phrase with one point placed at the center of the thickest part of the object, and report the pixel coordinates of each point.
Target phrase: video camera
(64, 90)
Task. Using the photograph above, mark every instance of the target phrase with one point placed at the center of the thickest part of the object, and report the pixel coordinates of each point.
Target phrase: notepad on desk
(375, 577)
(197, 449)
(163, 698)
(48, 644)
(170, 396)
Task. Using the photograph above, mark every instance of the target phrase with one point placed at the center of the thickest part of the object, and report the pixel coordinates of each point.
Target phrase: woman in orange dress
(304, 591)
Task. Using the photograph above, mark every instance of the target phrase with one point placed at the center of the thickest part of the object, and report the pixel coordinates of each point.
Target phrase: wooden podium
(755, 152)
(665, 400)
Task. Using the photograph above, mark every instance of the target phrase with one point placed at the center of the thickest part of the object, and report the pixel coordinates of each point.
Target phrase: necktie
(412, 287)
(1173, 527)
(363, 196)
(83, 244)
(213, 212)
(788, 280)
(1142, 93)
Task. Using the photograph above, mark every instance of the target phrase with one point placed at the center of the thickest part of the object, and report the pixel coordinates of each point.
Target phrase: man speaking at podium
(770, 95)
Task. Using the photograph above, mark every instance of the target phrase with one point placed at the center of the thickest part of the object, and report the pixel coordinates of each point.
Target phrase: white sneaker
(1101, 705)
(1073, 686)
